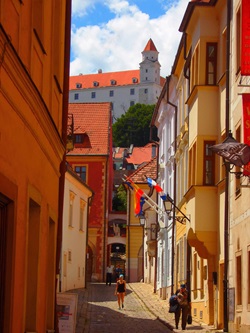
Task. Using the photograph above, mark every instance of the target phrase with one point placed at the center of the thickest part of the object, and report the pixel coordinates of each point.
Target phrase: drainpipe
(64, 140)
(87, 237)
(226, 218)
(174, 198)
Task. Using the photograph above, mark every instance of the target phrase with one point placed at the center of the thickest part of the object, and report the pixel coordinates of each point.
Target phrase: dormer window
(78, 85)
(113, 82)
(134, 80)
(95, 84)
(81, 140)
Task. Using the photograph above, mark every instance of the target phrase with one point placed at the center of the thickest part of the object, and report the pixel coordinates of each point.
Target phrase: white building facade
(77, 197)
(122, 89)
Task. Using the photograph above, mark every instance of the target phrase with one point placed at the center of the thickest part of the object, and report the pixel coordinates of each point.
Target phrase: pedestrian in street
(109, 273)
(120, 291)
(118, 272)
(183, 298)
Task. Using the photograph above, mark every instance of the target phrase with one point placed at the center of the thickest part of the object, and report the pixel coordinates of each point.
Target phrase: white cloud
(117, 44)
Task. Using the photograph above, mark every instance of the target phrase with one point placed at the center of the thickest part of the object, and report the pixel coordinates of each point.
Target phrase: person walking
(109, 272)
(183, 298)
(118, 272)
(120, 291)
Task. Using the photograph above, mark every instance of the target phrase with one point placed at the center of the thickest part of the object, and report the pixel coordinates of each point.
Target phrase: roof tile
(94, 119)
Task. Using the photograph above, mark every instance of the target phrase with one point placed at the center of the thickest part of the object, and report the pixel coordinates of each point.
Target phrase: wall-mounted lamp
(142, 219)
(234, 153)
(169, 205)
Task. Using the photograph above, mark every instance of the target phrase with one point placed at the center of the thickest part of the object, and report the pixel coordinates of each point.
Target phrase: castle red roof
(93, 120)
(104, 79)
(150, 46)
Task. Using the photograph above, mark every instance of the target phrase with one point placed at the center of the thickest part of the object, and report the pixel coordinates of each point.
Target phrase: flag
(152, 183)
(139, 201)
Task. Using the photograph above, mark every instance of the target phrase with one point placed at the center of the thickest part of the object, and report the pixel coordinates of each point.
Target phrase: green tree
(120, 200)
(133, 126)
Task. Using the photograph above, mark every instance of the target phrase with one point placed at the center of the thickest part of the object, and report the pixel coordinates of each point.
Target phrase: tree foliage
(120, 200)
(133, 126)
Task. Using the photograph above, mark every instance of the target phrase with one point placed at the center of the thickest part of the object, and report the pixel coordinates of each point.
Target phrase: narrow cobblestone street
(144, 311)
(103, 315)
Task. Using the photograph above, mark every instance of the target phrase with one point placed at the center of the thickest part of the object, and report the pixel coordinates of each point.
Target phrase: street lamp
(142, 223)
(169, 205)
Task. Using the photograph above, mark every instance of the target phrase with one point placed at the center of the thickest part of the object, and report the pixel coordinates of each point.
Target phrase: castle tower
(150, 66)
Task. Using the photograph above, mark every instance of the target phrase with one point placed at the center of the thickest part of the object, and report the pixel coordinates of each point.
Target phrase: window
(192, 165)
(146, 70)
(71, 204)
(95, 84)
(194, 68)
(132, 103)
(153, 231)
(93, 94)
(78, 85)
(145, 91)
(209, 161)
(132, 91)
(211, 63)
(81, 216)
(76, 96)
(69, 256)
(78, 138)
(111, 93)
(224, 51)
(134, 80)
(81, 171)
(238, 279)
(112, 82)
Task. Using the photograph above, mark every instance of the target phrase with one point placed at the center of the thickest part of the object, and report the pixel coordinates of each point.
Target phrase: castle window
(76, 96)
(95, 84)
(78, 85)
(93, 95)
(111, 93)
(134, 80)
(113, 82)
(132, 91)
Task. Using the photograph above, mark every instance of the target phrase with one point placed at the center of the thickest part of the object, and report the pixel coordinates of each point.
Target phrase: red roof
(105, 79)
(149, 170)
(93, 119)
(102, 80)
(140, 155)
(150, 46)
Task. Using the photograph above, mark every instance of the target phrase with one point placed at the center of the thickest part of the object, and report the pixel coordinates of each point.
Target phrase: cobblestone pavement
(144, 311)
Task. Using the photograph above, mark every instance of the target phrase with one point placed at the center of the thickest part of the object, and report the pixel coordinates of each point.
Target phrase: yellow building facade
(34, 63)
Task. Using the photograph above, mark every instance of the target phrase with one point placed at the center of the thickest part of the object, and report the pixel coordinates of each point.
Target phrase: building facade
(91, 159)
(34, 66)
(121, 89)
(77, 203)
(205, 96)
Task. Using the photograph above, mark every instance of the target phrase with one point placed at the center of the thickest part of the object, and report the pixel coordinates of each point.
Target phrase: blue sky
(111, 34)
